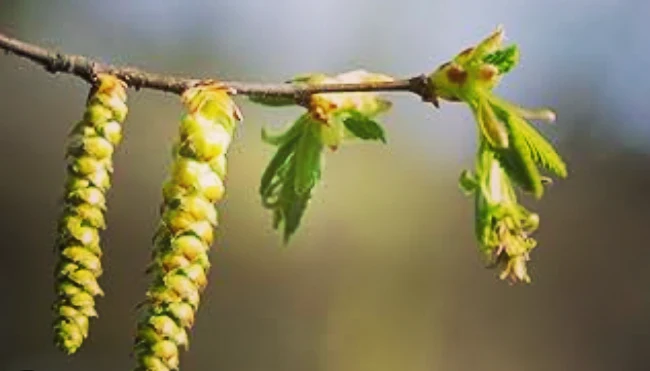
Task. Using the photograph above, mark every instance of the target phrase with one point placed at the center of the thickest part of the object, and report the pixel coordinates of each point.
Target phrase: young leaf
(308, 158)
(517, 159)
(483, 219)
(293, 206)
(467, 182)
(493, 129)
(540, 149)
(519, 166)
(281, 158)
(281, 138)
(287, 182)
(361, 125)
(504, 59)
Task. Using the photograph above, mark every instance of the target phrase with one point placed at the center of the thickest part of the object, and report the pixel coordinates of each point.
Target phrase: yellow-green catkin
(185, 234)
(89, 165)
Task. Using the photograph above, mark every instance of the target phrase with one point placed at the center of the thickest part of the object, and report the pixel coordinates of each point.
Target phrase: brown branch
(86, 68)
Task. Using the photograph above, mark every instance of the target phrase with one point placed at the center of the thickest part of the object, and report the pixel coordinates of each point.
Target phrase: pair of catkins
(184, 235)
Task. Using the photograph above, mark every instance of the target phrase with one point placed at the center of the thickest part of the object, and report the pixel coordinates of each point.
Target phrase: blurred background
(384, 274)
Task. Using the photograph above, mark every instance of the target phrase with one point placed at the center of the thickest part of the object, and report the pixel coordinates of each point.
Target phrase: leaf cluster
(528, 150)
(290, 177)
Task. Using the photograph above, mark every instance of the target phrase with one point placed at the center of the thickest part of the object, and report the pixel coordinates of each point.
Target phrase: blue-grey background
(384, 275)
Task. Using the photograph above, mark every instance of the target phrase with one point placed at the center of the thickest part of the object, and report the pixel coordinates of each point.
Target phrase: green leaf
(281, 138)
(292, 173)
(540, 149)
(272, 100)
(361, 125)
(504, 59)
(467, 182)
(492, 128)
(517, 159)
(529, 149)
(308, 158)
(280, 158)
(482, 220)
(293, 207)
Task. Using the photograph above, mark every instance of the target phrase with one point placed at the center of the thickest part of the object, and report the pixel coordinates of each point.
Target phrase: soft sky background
(384, 275)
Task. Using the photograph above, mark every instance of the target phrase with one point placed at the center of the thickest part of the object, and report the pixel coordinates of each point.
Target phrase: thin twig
(86, 68)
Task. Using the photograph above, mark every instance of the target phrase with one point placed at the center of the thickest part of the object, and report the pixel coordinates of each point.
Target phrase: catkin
(185, 234)
(89, 165)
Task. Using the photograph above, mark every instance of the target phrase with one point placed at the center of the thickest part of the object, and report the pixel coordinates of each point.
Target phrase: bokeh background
(384, 275)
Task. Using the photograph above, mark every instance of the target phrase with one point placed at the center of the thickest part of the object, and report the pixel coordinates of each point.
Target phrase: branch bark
(86, 68)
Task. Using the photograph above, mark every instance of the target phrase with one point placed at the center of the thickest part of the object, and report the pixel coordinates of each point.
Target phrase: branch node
(423, 87)
(94, 70)
(54, 64)
(132, 82)
(302, 98)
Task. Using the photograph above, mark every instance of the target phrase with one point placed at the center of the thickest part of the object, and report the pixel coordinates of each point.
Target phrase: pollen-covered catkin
(185, 234)
(89, 165)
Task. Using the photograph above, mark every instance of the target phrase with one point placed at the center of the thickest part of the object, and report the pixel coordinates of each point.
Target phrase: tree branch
(86, 68)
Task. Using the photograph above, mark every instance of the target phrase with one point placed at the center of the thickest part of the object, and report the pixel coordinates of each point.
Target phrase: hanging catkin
(89, 158)
(185, 234)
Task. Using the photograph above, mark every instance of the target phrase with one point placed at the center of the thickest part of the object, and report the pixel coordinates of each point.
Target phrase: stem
(86, 68)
